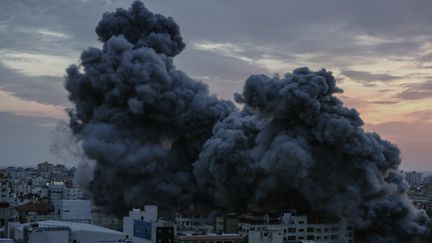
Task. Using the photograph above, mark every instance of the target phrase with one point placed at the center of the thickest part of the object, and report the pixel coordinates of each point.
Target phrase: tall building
(55, 192)
(414, 178)
(45, 167)
(428, 180)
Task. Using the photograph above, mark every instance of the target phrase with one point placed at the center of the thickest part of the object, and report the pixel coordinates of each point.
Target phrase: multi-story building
(414, 178)
(7, 214)
(106, 220)
(73, 193)
(74, 211)
(145, 227)
(45, 167)
(193, 220)
(209, 238)
(55, 191)
(36, 211)
(428, 180)
(290, 227)
(18, 173)
(5, 189)
(228, 224)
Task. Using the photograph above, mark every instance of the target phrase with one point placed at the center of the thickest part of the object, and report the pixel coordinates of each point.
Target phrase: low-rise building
(74, 211)
(209, 238)
(228, 224)
(65, 232)
(105, 220)
(290, 227)
(144, 226)
(36, 211)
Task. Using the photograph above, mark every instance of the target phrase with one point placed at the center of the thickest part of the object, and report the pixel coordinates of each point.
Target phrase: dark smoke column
(139, 118)
(157, 136)
(295, 145)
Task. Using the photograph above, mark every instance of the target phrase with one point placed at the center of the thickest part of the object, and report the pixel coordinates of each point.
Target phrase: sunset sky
(379, 51)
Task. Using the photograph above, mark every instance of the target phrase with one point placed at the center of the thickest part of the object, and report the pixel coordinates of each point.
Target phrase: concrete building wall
(75, 211)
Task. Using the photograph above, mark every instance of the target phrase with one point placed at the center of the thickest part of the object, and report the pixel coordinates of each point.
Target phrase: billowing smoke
(158, 136)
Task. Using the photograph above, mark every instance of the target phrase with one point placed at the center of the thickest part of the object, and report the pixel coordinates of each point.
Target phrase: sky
(379, 51)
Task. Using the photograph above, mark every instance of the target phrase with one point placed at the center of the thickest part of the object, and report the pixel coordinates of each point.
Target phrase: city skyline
(383, 62)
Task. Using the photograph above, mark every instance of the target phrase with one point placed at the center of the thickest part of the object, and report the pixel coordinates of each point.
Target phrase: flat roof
(73, 226)
(210, 237)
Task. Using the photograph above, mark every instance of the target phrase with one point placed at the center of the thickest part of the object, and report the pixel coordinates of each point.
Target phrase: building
(290, 227)
(65, 232)
(5, 189)
(7, 214)
(105, 220)
(45, 167)
(193, 220)
(228, 224)
(72, 193)
(209, 238)
(144, 226)
(35, 211)
(414, 178)
(428, 180)
(74, 211)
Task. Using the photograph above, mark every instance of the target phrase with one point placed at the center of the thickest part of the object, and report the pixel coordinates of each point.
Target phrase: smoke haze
(158, 136)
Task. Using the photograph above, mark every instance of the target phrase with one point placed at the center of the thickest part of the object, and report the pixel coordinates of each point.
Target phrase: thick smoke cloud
(158, 136)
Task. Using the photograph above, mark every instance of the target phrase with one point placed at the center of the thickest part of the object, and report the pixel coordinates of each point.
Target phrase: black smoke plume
(158, 136)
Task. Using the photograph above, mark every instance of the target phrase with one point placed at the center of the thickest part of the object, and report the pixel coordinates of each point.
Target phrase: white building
(65, 232)
(144, 226)
(289, 227)
(74, 211)
(55, 192)
(72, 193)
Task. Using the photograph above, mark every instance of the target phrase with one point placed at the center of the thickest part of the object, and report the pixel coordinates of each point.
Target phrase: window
(310, 229)
(301, 222)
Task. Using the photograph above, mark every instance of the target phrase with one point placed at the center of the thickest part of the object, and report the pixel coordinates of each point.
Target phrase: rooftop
(74, 227)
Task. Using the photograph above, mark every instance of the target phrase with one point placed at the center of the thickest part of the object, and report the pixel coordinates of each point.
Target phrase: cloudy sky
(379, 51)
